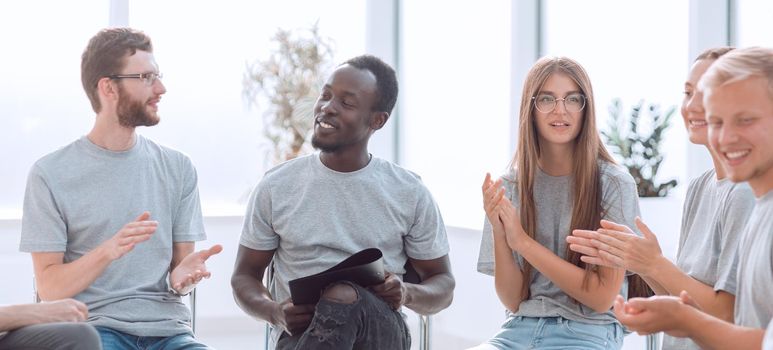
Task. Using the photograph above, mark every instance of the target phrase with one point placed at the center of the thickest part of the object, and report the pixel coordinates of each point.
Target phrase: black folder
(365, 268)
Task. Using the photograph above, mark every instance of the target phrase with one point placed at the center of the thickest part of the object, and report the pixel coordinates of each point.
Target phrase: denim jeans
(368, 323)
(115, 340)
(557, 333)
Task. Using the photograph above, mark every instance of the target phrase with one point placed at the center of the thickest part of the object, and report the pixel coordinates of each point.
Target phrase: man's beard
(133, 113)
(327, 148)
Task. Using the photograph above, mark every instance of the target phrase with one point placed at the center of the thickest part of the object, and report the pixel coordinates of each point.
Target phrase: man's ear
(378, 120)
(107, 90)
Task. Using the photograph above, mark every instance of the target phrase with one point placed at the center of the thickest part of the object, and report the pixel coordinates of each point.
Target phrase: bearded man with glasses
(111, 219)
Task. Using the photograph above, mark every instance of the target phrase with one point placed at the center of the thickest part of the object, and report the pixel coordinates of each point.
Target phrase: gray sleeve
(621, 200)
(486, 253)
(258, 231)
(43, 229)
(427, 238)
(188, 221)
(735, 214)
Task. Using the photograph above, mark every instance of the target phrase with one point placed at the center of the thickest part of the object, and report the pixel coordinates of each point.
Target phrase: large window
(632, 50)
(455, 107)
(201, 47)
(203, 54)
(42, 103)
(752, 23)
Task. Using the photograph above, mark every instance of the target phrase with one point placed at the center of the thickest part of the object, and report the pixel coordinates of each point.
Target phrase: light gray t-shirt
(553, 201)
(316, 217)
(81, 195)
(753, 302)
(714, 216)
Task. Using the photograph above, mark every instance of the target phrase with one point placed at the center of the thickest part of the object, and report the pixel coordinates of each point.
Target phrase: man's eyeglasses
(147, 78)
(547, 103)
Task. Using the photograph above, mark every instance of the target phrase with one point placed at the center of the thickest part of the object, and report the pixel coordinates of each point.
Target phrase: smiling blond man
(739, 109)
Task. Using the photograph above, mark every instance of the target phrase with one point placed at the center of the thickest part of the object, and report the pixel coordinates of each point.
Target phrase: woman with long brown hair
(561, 179)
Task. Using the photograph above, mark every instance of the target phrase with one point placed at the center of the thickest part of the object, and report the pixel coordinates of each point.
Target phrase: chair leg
(653, 341)
(35, 296)
(193, 310)
(267, 337)
(424, 332)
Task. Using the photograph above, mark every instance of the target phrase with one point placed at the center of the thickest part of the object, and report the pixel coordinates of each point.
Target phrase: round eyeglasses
(147, 78)
(547, 103)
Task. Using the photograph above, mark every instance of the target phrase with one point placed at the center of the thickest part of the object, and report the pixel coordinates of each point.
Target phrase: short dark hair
(386, 80)
(106, 55)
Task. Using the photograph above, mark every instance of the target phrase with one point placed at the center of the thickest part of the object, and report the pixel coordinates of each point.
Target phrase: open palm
(192, 269)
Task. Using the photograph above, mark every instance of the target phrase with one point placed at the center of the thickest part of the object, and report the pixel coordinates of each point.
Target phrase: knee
(89, 334)
(78, 336)
(343, 293)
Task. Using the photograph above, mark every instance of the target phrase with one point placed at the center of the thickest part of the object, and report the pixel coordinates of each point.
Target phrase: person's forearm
(253, 297)
(656, 287)
(713, 333)
(508, 277)
(602, 287)
(17, 316)
(674, 280)
(180, 250)
(66, 280)
(432, 295)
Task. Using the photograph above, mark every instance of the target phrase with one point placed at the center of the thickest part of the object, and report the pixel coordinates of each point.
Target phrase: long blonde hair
(588, 150)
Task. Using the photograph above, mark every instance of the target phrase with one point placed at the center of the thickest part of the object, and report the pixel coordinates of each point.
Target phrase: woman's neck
(556, 160)
(718, 169)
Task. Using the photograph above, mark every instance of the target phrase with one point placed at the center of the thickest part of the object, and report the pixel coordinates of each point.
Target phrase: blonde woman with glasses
(561, 179)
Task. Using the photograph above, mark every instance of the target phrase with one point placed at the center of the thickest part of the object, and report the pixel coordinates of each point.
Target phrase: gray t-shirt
(316, 217)
(714, 216)
(81, 195)
(753, 303)
(553, 201)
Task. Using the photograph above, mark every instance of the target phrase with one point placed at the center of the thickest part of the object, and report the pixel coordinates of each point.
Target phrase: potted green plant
(637, 142)
(286, 86)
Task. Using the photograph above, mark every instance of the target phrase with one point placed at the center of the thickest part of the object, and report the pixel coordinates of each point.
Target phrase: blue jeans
(557, 333)
(115, 340)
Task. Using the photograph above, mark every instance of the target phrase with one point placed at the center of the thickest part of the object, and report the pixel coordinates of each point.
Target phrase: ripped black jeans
(368, 323)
